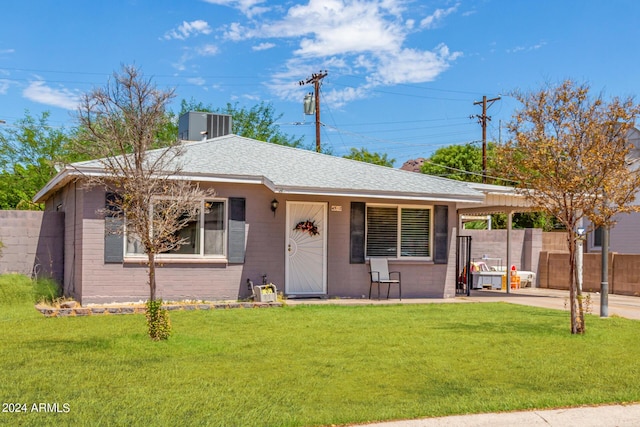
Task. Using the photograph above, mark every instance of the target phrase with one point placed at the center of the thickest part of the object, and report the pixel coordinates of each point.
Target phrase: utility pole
(315, 79)
(482, 119)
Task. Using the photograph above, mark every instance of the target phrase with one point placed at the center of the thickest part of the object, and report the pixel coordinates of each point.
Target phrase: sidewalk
(591, 416)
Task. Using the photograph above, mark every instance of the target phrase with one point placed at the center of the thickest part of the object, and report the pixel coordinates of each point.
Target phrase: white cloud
(263, 46)
(188, 29)
(4, 86)
(38, 91)
(190, 53)
(434, 19)
(527, 48)
(181, 64)
(236, 32)
(330, 27)
(363, 61)
(207, 50)
(7, 51)
(198, 81)
(250, 8)
(339, 97)
(368, 38)
(413, 66)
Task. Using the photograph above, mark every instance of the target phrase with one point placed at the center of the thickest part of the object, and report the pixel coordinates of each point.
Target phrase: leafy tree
(119, 126)
(193, 105)
(527, 220)
(454, 160)
(29, 152)
(364, 155)
(568, 149)
(167, 134)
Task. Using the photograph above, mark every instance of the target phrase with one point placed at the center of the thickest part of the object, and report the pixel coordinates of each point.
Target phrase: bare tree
(568, 150)
(118, 126)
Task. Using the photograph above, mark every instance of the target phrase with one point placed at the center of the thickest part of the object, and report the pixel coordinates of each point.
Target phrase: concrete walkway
(591, 416)
(619, 305)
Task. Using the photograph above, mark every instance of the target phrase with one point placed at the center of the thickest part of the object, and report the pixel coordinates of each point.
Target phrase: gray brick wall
(33, 243)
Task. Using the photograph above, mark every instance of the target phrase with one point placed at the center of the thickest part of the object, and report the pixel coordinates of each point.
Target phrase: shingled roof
(232, 158)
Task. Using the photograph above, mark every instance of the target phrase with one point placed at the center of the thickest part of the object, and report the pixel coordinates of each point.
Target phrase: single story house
(624, 236)
(309, 221)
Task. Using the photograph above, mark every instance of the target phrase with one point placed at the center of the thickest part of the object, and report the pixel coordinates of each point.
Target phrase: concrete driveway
(619, 305)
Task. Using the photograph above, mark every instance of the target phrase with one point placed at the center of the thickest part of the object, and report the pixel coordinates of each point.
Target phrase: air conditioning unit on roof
(197, 126)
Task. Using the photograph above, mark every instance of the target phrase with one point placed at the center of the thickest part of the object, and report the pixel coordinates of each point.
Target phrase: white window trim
(399, 208)
(201, 256)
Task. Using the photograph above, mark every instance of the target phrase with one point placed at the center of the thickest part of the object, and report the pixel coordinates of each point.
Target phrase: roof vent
(198, 126)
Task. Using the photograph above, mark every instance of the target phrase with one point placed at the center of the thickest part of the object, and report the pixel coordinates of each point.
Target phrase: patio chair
(380, 274)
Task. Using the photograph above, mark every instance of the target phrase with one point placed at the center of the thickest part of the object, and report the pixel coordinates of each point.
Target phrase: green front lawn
(308, 365)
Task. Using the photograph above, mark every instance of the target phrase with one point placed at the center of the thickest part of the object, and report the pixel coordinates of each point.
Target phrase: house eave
(57, 182)
(62, 178)
(453, 198)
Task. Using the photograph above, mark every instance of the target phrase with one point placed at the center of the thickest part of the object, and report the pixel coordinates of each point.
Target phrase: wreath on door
(307, 226)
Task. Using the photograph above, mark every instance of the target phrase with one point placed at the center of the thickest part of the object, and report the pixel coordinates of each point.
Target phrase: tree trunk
(152, 276)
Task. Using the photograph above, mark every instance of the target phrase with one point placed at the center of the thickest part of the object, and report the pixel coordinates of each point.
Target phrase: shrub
(17, 289)
(46, 290)
(158, 321)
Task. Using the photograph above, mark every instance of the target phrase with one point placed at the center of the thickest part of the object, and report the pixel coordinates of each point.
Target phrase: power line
(410, 95)
(483, 175)
(418, 86)
(397, 141)
(421, 128)
(401, 122)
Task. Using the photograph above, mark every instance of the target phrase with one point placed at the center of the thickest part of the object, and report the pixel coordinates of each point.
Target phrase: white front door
(306, 246)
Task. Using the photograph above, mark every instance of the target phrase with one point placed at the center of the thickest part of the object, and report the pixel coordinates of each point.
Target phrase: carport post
(604, 284)
(508, 266)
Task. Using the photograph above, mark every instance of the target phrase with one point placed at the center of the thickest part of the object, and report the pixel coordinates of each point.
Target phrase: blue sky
(402, 74)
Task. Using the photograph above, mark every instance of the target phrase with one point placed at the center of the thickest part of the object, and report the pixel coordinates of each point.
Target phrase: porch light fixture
(274, 206)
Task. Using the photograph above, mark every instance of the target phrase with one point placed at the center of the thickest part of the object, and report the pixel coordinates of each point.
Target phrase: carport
(498, 199)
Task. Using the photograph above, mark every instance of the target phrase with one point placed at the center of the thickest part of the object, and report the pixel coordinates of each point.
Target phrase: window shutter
(237, 209)
(357, 233)
(113, 230)
(441, 229)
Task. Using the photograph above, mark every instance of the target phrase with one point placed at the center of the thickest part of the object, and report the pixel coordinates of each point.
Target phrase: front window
(597, 237)
(204, 236)
(398, 231)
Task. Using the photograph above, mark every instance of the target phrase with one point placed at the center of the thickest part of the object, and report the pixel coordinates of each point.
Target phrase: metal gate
(463, 265)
